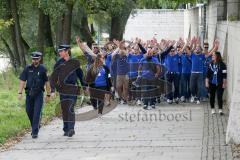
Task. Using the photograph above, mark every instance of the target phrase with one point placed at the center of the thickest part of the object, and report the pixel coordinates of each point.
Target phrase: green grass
(13, 117)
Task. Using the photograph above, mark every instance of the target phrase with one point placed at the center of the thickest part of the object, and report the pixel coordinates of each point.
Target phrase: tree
(118, 10)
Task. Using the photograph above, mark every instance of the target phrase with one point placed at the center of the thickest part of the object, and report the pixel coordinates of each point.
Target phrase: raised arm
(214, 48)
(84, 47)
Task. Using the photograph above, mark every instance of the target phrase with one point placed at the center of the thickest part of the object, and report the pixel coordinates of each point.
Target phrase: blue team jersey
(198, 62)
(149, 67)
(208, 60)
(172, 63)
(122, 67)
(108, 60)
(101, 79)
(186, 63)
(133, 61)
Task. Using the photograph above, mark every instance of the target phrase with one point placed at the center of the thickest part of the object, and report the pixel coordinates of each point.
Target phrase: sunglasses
(35, 59)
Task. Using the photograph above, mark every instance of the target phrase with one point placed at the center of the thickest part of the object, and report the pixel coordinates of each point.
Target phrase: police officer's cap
(36, 55)
(63, 47)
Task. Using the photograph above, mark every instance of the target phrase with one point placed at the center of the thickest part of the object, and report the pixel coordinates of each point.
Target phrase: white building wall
(147, 23)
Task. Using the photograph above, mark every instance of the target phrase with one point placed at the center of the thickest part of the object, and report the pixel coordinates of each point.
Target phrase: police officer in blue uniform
(33, 78)
(68, 101)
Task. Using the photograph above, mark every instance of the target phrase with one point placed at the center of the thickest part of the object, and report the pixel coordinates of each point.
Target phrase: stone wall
(146, 23)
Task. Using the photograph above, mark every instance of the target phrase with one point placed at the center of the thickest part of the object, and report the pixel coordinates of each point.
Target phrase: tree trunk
(92, 29)
(116, 31)
(40, 40)
(59, 34)
(12, 38)
(25, 45)
(17, 30)
(67, 24)
(85, 32)
(48, 32)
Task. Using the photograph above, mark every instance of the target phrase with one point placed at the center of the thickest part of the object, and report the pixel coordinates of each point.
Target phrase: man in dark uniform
(68, 101)
(33, 78)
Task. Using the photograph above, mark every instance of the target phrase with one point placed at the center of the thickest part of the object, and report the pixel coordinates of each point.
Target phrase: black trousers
(174, 79)
(213, 89)
(97, 97)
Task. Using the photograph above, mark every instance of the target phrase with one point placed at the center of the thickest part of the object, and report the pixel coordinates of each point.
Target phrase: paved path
(176, 132)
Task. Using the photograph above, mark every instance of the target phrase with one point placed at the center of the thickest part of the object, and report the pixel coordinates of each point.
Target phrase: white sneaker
(182, 99)
(220, 111)
(176, 100)
(139, 102)
(213, 111)
(192, 99)
(122, 102)
(145, 107)
(198, 102)
(169, 101)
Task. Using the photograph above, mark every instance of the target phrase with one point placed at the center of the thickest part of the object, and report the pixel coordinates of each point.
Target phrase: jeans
(196, 84)
(185, 85)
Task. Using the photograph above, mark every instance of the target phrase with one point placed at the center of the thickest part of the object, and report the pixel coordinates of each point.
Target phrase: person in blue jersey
(216, 81)
(196, 80)
(101, 81)
(207, 62)
(134, 58)
(149, 71)
(120, 56)
(108, 57)
(108, 50)
(179, 51)
(186, 74)
(173, 75)
(68, 101)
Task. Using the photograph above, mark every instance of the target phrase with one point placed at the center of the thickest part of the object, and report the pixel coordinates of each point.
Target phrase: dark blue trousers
(185, 85)
(34, 109)
(149, 99)
(173, 78)
(68, 114)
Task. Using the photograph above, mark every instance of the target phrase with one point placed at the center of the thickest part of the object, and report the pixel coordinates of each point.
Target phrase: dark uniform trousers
(68, 114)
(34, 106)
(173, 78)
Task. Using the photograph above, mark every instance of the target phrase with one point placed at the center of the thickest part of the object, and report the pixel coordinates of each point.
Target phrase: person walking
(68, 101)
(216, 81)
(34, 78)
(98, 79)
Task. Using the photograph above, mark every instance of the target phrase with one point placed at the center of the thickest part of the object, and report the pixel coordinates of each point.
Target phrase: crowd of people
(136, 71)
(189, 70)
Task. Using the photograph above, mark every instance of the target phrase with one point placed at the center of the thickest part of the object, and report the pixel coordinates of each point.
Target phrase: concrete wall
(147, 23)
(191, 20)
(228, 34)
